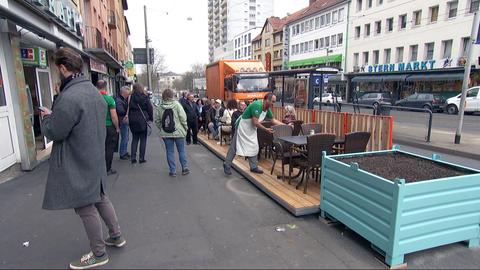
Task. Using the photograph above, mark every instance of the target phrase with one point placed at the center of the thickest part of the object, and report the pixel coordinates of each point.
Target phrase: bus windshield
(252, 85)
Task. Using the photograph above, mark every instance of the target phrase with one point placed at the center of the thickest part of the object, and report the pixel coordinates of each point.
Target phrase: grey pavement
(203, 220)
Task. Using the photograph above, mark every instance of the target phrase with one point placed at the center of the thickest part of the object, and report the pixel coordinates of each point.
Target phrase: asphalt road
(440, 121)
(204, 220)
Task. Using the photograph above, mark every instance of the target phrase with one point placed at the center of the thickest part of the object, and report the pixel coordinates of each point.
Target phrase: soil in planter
(403, 166)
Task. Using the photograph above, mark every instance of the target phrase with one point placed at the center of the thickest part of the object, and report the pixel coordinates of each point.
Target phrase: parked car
(375, 98)
(327, 98)
(472, 102)
(430, 101)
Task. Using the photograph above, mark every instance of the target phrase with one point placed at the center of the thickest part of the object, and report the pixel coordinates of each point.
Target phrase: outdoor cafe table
(301, 141)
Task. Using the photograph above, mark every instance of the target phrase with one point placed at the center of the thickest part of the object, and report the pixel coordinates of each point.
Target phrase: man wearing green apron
(245, 141)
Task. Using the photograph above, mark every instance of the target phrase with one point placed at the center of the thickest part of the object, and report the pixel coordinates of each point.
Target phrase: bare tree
(157, 68)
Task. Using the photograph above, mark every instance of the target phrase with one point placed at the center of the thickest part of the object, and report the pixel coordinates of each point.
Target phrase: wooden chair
(297, 127)
(317, 127)
(281, 150)
(311, 160)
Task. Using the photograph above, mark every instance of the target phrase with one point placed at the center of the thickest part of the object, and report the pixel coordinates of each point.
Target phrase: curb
(438, 149)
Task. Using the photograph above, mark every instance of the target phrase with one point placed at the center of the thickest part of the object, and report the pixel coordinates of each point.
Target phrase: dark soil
(403, 166)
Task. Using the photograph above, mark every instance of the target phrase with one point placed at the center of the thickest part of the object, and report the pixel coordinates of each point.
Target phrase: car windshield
(326, 94)
(252, 84)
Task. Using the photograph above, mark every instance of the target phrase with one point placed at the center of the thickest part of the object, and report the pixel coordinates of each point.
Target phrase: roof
(317, 6)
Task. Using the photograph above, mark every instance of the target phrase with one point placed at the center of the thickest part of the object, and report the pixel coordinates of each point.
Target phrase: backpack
(168, 122)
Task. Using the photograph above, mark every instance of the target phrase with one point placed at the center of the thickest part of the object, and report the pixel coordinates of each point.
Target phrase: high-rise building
(229, 18)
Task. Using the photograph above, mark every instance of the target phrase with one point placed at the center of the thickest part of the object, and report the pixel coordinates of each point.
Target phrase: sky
(183, 42)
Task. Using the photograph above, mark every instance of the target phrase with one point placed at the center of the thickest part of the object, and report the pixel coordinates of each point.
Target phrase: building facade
(268, 45)
(165, 80)
(318, 36)
(404, 47)
(243, 44)
(30, 32)
(229, 18)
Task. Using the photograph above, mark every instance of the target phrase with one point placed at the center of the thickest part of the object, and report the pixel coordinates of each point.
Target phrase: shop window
(3, 101)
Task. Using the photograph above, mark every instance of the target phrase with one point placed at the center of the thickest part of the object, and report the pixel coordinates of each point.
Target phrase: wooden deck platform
(286, 195)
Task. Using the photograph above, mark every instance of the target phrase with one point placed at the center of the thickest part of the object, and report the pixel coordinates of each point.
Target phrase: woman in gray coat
(77, 173)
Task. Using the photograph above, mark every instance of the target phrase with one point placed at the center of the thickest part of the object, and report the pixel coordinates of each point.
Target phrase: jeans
(142, 137)
(92, 216)
(192, 131)
(213, 127)
(232, 151)
(111, 143)
(124, 133)
(170, 146)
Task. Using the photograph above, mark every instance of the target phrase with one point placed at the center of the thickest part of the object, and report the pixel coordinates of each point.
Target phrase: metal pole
(149, 76)
(466, 75)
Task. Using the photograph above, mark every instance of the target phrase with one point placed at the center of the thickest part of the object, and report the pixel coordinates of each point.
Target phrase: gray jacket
(77, 163)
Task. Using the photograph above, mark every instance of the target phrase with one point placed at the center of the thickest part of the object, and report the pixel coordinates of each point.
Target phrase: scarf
(69, 79)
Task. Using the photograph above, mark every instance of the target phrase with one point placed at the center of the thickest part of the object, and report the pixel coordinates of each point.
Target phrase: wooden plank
(286, 195)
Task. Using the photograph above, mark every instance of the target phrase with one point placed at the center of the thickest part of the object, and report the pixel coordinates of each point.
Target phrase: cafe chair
(355, 142)
(281, 150)
(311, 160)
(297, 127)
(265, 139)
(317, 127)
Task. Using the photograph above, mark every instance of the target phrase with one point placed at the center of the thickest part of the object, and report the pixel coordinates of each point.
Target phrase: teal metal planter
(398, 217)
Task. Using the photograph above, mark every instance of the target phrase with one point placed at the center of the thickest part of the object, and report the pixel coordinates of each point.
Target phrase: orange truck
(237, 79)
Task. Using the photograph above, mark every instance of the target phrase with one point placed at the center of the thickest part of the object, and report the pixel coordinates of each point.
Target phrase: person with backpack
(171, 120)
(140, 112)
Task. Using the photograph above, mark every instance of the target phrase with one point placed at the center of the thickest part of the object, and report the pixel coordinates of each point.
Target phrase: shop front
(405, 79)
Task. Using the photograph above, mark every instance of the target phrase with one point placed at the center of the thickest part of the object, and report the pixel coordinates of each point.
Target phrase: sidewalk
(203, 220)
(441, 141)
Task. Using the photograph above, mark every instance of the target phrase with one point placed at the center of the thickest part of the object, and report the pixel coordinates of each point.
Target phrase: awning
(435, 77)
(367, 79)
(394, 78)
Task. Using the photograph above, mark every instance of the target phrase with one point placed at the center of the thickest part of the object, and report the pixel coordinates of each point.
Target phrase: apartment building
(229, 18)
(243, 44)
(406, 46)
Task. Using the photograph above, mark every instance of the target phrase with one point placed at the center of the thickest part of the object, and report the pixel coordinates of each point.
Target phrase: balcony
(112, 19)
(96, 44)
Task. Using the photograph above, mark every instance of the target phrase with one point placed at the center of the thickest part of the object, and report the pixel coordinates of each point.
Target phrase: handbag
(149, 127)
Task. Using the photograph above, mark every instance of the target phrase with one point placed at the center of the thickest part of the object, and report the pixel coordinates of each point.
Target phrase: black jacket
(122, 107)
(191, 110)
(211, 115)
(136, 121)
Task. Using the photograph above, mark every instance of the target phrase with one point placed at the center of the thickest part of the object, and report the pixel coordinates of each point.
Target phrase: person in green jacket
(173, 132)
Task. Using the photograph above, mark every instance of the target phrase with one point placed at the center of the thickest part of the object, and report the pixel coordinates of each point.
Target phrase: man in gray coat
(77, 173)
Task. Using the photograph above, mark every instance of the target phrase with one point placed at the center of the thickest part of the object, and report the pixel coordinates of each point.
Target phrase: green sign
(128, 64)
(34, 56)
(336, 58)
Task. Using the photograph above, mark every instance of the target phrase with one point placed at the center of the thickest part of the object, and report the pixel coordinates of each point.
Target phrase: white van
(472, 102)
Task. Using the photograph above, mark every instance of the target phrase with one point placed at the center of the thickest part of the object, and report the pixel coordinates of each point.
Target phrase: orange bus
(237, 79)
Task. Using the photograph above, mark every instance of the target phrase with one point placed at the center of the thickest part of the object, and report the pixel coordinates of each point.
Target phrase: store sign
(128, 64)
(410, 66)
(62, 11)
(34, 56)
(98, 66)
